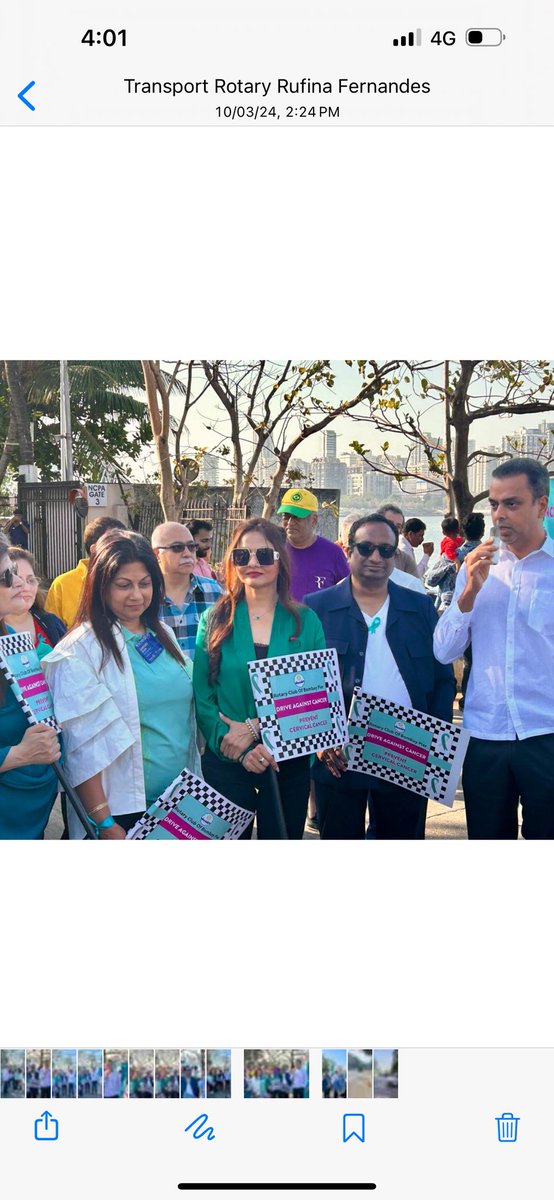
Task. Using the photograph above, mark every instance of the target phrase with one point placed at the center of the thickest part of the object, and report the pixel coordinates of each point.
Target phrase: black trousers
(394, 812)
(497, 776)
(253, 792)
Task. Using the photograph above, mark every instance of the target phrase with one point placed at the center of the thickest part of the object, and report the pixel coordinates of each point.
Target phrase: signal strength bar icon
(408, 39)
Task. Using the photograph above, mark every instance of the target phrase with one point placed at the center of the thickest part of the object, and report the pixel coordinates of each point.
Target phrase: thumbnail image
(141, 1074)
(385, 1074)
(193, 1074)
(116, 1074)
(167, 1075)
(360, 1074)
(39, 1075)
(218, 1074)
(89, 1075)
(64, 1074)
(12, 1073)
(276, 1074)
(333, 1075)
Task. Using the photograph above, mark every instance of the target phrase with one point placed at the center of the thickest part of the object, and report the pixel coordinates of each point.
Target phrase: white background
(125, 243)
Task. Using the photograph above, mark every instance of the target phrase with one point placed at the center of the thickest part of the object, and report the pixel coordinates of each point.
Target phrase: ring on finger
(261, 760)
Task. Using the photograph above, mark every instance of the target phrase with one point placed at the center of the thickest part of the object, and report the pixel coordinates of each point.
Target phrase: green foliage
(109, 421)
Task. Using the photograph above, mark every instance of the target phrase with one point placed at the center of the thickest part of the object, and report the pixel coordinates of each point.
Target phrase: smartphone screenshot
(281, 592)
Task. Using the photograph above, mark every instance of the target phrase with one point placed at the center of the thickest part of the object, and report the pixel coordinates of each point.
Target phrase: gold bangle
(98, 807)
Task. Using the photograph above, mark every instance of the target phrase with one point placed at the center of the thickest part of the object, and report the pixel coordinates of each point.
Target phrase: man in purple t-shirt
(316, 562)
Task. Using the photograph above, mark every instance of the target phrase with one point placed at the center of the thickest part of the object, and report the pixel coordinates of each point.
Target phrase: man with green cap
(316, 563)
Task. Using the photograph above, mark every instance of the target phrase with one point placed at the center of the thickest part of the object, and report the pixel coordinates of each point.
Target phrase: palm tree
(109, 417)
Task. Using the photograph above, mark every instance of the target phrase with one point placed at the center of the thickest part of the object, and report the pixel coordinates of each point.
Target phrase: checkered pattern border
(187, 784)
(21, 643)
(263, 670)
(436, 780)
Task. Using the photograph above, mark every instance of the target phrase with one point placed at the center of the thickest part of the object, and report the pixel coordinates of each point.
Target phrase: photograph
(64, 1074)
(38, 1074)
(333, 1074)
(193, 1074)
(90, 1074)
(116, 1074)
(167, 1074)
(276, 1074)
(218, 1074)
(12, 1071)
(360, 1074)
(343, 511)
(385, 1074)
(141, 1074)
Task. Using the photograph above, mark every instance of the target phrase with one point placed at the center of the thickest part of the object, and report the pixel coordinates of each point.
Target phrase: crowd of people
(63, 1083)
(333, 1084)
(145, 651)
(218, 1083)
(13, 1080)
(277, 1083)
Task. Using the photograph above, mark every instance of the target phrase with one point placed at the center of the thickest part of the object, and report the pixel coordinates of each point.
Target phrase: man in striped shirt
(187, 595)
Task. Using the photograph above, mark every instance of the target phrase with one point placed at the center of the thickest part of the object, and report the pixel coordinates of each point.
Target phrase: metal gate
(56, 530)
(224, 517)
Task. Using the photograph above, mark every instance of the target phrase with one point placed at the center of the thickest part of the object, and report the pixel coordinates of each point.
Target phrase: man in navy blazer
(383, 634)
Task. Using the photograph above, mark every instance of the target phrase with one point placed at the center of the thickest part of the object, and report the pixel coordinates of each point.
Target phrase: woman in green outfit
(28, 785)
(122, 689)
(256, 618)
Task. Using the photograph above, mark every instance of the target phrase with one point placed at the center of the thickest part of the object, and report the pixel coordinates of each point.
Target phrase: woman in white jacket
(122, 690)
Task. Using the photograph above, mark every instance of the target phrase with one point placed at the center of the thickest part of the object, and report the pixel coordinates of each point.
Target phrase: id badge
(148, 647)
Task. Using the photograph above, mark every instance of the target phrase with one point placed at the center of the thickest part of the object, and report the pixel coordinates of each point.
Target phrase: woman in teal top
(28, 785)
(256, 618)
(164, 695)
(122, 690)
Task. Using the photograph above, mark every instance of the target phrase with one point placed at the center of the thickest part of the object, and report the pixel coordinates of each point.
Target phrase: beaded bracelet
(251, 726)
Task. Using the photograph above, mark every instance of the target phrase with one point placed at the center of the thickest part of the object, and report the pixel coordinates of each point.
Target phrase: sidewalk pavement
(443, 823)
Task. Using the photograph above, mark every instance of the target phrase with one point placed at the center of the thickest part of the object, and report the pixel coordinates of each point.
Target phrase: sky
(383, 1059)
(487, 432)
(338, 1057)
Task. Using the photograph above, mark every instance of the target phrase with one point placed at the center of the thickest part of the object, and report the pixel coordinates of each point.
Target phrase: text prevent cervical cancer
(264, 88)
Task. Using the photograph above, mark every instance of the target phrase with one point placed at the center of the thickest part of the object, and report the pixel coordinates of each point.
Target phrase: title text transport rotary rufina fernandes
(261, 87)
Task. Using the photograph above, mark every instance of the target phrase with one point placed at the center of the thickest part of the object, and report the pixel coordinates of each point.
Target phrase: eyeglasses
(178, 547)
(265, 555)
(7, 577)
(366, 549)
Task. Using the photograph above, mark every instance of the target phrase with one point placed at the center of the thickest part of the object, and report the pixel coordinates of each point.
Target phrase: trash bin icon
(507, 1127)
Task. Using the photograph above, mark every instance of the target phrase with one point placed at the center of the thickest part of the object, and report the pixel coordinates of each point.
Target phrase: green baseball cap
(299, 503)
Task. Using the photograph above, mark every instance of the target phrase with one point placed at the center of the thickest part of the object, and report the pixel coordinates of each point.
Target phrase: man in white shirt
(44, 1082)
(505, 609)
(411, 537)
(404, 563)
(299, 1080)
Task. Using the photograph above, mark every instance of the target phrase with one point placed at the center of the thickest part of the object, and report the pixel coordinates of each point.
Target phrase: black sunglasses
(265, 555)
(366, 549)
(178, 547)
(7, 577)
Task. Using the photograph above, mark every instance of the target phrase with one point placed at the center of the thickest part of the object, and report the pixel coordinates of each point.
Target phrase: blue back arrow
(22, 95)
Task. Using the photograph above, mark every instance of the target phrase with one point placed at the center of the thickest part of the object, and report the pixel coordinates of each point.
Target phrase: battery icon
(485, 37)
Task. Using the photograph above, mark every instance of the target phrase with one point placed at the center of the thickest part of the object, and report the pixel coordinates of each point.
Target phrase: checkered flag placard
(406, 747)
(188, 786)
(19, 675)
(299, 702)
